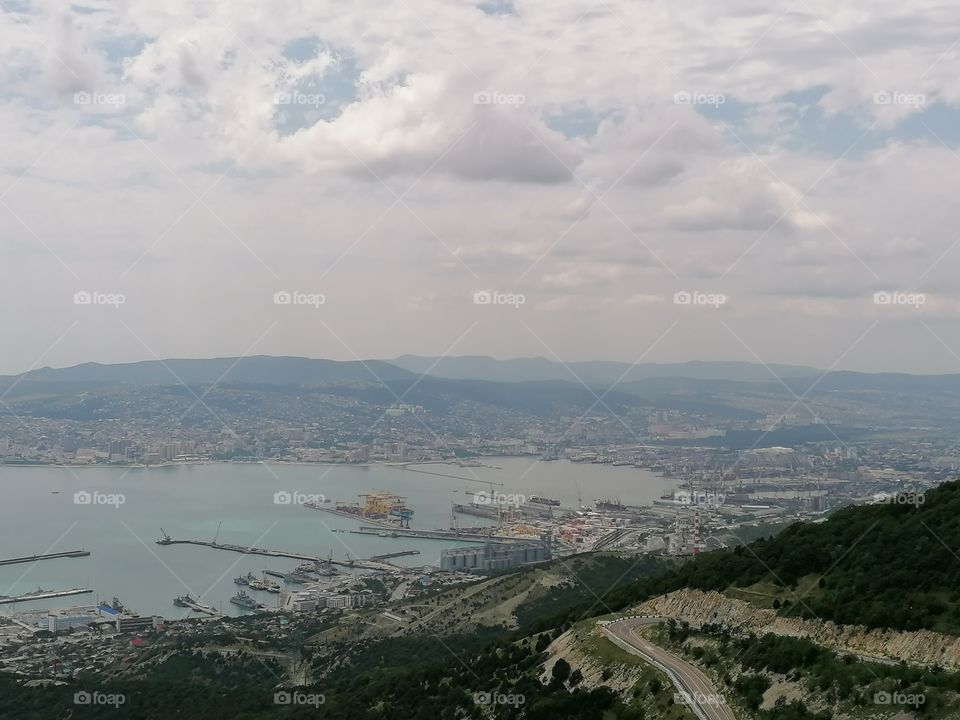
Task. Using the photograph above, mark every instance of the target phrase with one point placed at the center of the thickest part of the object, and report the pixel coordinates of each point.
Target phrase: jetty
(40, 594)
(250, 550)
(45, 556)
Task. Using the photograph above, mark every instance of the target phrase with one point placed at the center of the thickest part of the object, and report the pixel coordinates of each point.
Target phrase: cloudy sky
(625, 180)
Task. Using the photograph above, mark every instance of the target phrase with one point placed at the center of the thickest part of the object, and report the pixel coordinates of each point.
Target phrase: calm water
(190, 501)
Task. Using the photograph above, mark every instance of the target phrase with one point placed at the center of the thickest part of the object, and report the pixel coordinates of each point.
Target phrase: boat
(245, 601)
(270, 585)
(183, 601)
(610, 505)
(297, 577)
(537, 500)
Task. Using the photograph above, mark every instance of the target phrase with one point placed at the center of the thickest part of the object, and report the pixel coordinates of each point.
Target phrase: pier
(388, 556)
(440, 535)
(46, 556)
(364, 564)
(440, 474)
(44, 595)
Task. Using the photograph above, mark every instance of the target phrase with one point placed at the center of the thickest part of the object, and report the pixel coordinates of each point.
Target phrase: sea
(118, 514)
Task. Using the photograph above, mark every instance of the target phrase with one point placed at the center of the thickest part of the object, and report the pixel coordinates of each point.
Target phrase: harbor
(125, 560)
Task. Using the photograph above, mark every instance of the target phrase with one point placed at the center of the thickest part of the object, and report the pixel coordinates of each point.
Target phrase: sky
(621, 180)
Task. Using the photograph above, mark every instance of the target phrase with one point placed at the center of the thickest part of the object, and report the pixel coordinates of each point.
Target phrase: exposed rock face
(620, 678)
(699, 608)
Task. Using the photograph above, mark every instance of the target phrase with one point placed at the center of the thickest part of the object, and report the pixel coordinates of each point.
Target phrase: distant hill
(257, 369)
(603, 373)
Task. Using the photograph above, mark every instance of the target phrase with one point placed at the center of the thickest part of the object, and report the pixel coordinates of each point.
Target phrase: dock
(364, 564)
(404, 466)
(440, 535)
(44, 595)
(46, 556)
(388, 556)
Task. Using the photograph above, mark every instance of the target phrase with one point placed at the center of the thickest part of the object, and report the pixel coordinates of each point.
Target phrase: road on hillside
(700, 693)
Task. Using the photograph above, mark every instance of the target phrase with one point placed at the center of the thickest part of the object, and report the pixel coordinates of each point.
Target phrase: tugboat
(245, 601)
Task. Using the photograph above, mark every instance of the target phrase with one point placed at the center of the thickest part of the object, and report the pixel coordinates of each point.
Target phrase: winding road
(702, 696)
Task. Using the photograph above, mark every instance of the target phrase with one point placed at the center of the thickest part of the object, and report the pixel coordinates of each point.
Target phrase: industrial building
(493, 556)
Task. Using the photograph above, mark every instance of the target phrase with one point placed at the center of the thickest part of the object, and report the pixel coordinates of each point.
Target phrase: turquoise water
(190, 502)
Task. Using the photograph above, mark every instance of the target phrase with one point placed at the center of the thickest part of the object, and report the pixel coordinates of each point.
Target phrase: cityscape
(488, 360)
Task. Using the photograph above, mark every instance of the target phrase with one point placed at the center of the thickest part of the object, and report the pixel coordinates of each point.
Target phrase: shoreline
(295, 463)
